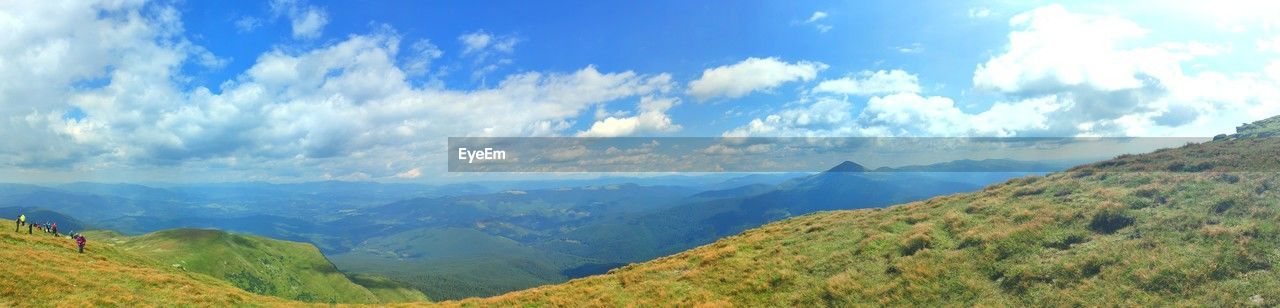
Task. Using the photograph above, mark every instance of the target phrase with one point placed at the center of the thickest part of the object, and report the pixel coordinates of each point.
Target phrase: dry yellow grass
(41, 270)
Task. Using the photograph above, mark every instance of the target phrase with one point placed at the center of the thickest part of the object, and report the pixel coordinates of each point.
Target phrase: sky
(302, 90)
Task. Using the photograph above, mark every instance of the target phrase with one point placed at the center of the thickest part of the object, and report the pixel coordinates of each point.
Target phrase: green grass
(1135, 231)
(41, 270)
(290, 270)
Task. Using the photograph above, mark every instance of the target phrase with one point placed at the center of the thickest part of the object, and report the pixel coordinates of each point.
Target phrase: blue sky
(294, 90)
(678, 37)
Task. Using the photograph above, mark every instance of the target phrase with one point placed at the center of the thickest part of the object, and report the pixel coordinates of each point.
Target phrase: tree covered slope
(1196, 225)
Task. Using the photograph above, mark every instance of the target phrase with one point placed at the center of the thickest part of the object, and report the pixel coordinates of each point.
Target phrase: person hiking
(54, 227)
(22, 219)
(80, 242)
(29, 228)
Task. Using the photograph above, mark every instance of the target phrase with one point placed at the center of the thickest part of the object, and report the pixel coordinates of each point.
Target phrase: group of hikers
(47, 227)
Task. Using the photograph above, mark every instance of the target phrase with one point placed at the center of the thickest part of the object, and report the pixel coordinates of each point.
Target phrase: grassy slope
(260, 265)
(40, 270)
(1096, 235)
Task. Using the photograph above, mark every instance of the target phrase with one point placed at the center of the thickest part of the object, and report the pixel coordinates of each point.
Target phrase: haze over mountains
(1202, 213)
(485, 239)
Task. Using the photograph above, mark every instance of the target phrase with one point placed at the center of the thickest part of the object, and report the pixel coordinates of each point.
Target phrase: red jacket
(80, 241)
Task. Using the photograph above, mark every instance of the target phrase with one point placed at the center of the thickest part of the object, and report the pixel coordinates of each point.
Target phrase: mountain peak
(848, 166)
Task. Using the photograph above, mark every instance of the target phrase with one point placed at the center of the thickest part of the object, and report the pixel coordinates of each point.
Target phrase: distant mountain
(696, 222)
(848, 166)
(755, 178)
(741, 191)
(129, 191)
(37, 215)
(985, 165)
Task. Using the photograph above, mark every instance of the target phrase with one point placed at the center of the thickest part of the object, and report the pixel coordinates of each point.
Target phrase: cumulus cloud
(651, 118)
(1100, 85)
(750, 75)
(826, 116)
(867, 83)
(1062, 74)
(343, 109)
(1054, 49)
(306, 21)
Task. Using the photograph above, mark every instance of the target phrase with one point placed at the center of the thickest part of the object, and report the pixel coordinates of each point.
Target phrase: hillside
(289, 270)
(41, 270)
(1138, 230)
(38, 215)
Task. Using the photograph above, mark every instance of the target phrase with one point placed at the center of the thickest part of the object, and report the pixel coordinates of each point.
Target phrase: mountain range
(485, 239)
(1202, 214)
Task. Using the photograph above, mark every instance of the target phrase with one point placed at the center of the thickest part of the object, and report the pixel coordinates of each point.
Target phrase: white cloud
(1101, 86)
(310, 23)
(651, 118)
(248, 24)
(909, 49)
(752, 74)
(817, 15)
(814, 20)
(345, 108)
(900, 114)
(825, 117)
(488, 51)
(306, 21)
(423, 52)
(481, 42)
(410, 174)
(1056, 48)
(868, 83)
(1269, 45)
(912, 114)
(1062, 74)
(979, 12)
(1273, 70)
(475, 41)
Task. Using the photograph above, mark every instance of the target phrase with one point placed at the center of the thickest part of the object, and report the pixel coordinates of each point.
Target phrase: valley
(1062, 238)
(457, 241)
